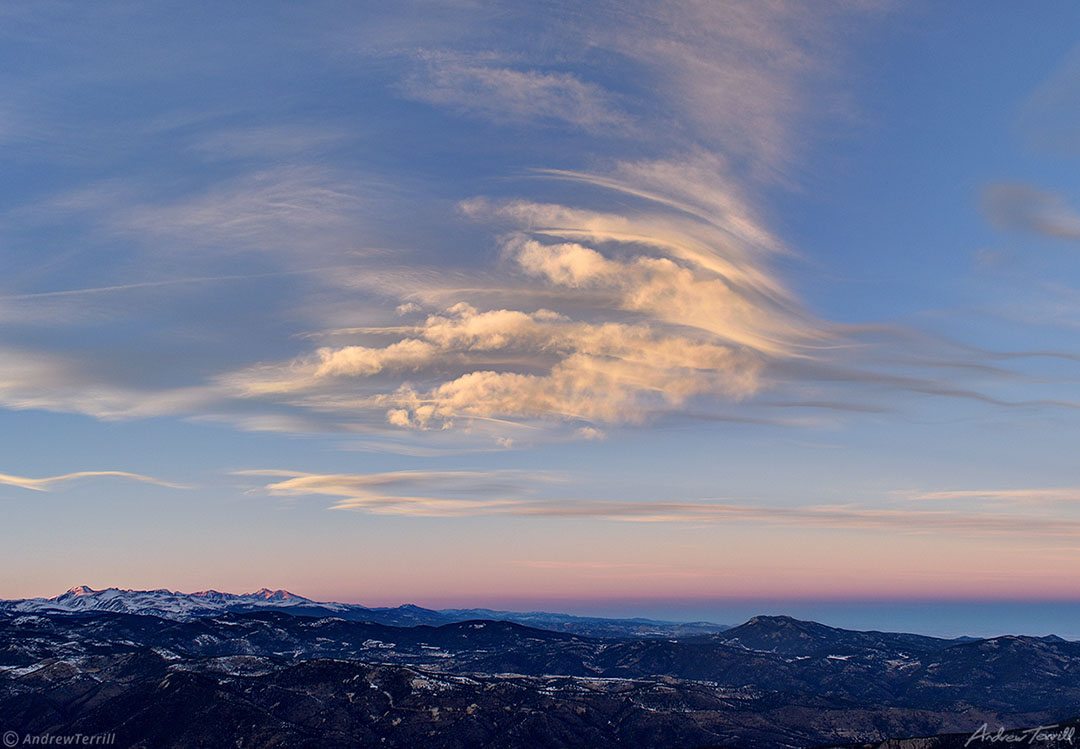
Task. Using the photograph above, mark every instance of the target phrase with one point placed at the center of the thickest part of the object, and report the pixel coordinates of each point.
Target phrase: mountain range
(263, 670)
(187, 606)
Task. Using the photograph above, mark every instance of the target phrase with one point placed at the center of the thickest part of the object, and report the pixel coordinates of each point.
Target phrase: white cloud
(668, 302)
(505, 94)
(590, 433)
(429, 493)
(47, 483)
(472, 493)
(604, 372)
(669, 306)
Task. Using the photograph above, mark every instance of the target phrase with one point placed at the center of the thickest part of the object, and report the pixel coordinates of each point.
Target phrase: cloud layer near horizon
(507, 493)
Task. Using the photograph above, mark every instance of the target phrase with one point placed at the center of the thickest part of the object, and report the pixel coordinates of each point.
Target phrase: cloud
(735, 76)
(635, 280)
(50, 382)
(1012, 496)
(603, 372)
(1023, 208)
(277, 209)
(653, 308)
(267, 141)
(399, 492)
(505, 493)
(158, 284)
(829, 405)
(296, 209)
(504, 94)
(669, 306)
(740, 77)
(47, 483)
(590, 433)
(1050, 115)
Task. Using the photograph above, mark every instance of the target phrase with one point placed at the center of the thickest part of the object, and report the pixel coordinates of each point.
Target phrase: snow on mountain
(177, 606)
(164, 603)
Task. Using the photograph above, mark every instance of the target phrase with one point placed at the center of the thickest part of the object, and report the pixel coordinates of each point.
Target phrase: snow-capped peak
(276, 595)
(164, 603)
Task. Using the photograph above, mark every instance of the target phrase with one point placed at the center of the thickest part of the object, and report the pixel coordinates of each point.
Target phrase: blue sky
(467, 303)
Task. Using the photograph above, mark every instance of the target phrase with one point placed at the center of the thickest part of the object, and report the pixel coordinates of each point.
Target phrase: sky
(683, 308)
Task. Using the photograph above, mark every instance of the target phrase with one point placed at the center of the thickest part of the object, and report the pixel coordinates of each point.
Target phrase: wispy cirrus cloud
(92, 290)
(47, 483)
(738, 77)
(1037, 496)
(289, 209)
(1023, 208)
(840, 517)
(268, 141)
(512, 493)
(407, 492)
(284, 211)
(508, 95)
(51, 382)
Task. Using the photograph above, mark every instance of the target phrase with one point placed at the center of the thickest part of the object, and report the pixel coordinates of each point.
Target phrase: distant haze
(937, 618)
